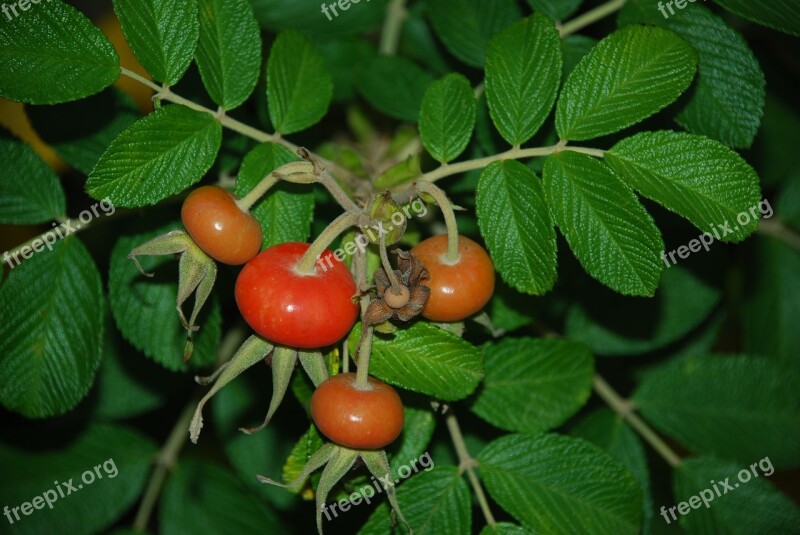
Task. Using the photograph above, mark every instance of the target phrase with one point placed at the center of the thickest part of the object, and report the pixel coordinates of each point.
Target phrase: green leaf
(552, 483)
(523, 73)
(608, 229)
(447, 117)
(774, 150)
(157, 156)
(299, 87)
(751, 507)
(465, 26)
(608, 431)
(504, 528)
(394, 85)
(52, 53)
(616, 325)
(229, 51)
(533, 385)
(285, 213)
(309, 17)
(771, 308)
(242, 404)
(728, 100)
(402, 173)
(29, 189)
(423, 358)
(126, 387)
(342, 57)
(433, 502)
(417, 432)
(144, 308)
(80, 132)
(49, 358)
(556, 9)
(202, 497)
(629, 76)
(515, 221)
(783, 15)
(693, 176)
(162, 34)
(698, 400)
(306, 446)
(118, 458)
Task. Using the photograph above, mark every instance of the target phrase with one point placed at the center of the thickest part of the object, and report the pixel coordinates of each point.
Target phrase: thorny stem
(230, 123)
(168, 454)
(306, 265)
(590, 17)
(387, 267)
(466, 462)
(452, 256)
(625, 409)
(392, 27)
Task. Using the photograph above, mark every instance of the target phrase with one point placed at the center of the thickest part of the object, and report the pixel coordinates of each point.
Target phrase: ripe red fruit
(364, 419)
(292, 309)
(219, 227)
(457, 290)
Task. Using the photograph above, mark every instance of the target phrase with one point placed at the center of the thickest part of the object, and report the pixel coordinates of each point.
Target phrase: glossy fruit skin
(295, 310)
(460, 290)
(368, 419)
(222, 230)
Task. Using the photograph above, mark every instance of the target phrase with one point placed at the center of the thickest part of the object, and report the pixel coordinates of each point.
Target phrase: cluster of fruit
(295, 308)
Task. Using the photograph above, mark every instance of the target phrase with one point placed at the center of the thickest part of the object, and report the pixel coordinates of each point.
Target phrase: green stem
(452, 256)
(625, 409)
(515, 153)
(229, 122)
(168, 454)
(364, 353)
(392, 27)
(590, 17)
(387, 267)
(466, 462)
(166, 459)
(777, 229)
(252, 197)
(306, 265)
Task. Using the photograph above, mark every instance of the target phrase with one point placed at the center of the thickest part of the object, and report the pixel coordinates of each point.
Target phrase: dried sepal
(412, 273)
(253, 350)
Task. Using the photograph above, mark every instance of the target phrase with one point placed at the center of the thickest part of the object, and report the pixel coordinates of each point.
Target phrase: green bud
(386, 219)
